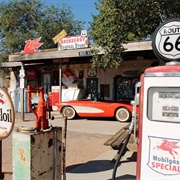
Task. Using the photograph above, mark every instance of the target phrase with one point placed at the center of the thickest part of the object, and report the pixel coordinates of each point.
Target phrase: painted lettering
(153, 164)
(171, 31)
(165, 160)
(5, 116)
(167, 167)
(79, 45)
(72, 40)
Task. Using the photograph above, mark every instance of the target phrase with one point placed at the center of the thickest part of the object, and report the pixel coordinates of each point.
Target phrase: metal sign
(84, 33)
(22, 83)
(59, 36)
(85, 53)
(32, 46)
(7, 114)
(60, 60)
(166, 41)
(73, 42)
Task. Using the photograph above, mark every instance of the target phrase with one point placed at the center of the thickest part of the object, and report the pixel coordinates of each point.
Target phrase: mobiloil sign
(159, 118)
(7, 114)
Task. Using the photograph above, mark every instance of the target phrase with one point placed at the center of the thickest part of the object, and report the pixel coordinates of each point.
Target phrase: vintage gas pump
(41, 115)
(159, 109)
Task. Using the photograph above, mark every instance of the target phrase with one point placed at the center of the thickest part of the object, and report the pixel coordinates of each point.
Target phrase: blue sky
(82, 9)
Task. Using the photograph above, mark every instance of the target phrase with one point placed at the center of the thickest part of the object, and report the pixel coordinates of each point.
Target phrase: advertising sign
(32, 46)
(59, 36)
(7, 114)
(164, 155)
(68, 77)
(166, 40)
(73, 42)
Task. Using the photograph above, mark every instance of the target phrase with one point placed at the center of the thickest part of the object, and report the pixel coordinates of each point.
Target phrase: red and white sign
(7, 114)
(164, 155)
(73, 42)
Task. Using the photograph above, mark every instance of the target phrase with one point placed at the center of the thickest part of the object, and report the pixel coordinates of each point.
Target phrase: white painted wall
(107, 77)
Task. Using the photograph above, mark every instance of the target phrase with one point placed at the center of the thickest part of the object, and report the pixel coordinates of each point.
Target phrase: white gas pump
(158, 154)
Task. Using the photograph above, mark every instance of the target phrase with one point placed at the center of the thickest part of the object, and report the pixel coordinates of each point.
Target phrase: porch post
(22, 75)
(60, 82)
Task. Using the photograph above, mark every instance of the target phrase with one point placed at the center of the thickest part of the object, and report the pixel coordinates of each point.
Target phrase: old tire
(68, 112)
(123, 114)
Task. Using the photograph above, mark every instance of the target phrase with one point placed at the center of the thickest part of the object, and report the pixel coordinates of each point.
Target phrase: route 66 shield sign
(166, 40)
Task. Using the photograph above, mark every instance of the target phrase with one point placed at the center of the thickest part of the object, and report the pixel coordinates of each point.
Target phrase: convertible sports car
(87, 108)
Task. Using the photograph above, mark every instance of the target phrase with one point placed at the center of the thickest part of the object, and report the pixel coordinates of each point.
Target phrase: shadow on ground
(91, 167)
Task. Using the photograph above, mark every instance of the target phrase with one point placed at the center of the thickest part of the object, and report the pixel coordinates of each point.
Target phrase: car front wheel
(123, 114)
(68, 112)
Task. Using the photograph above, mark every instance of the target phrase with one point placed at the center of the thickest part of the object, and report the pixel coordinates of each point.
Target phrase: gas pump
(158, 155)
(41, 115)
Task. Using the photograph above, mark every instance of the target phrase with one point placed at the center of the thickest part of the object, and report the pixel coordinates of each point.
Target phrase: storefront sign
(73, 42)
(7, 114)
(131, 73)
(85, 53)
(60, 60)
(59, 36)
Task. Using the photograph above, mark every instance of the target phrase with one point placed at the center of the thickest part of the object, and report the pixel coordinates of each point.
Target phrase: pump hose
(120, 155)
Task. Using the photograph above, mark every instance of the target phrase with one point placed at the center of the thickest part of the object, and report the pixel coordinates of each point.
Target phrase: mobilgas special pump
(158, 154)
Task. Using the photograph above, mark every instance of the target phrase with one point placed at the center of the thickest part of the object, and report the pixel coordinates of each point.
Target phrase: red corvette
(121, 111)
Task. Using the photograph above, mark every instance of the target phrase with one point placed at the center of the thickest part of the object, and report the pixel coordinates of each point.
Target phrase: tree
(120, 21)
(28, 19)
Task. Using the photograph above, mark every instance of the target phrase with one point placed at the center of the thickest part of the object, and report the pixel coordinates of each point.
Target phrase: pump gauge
(164, 104)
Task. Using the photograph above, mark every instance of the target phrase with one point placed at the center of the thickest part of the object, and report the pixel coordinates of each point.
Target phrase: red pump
(41, 119)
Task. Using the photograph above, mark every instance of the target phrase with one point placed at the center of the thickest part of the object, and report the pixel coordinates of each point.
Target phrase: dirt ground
(84, 147)
(80, 148)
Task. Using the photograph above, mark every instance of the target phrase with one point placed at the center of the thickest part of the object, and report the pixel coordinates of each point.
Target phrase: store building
(45, 68)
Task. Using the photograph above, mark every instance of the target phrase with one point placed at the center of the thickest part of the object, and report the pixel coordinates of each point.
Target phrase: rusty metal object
(37, 155)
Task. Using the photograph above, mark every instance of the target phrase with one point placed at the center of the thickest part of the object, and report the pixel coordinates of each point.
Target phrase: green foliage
(54, 20)
(120, 21)
(28, 19)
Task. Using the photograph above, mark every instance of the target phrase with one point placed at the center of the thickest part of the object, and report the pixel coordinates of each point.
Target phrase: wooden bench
(116, 141)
